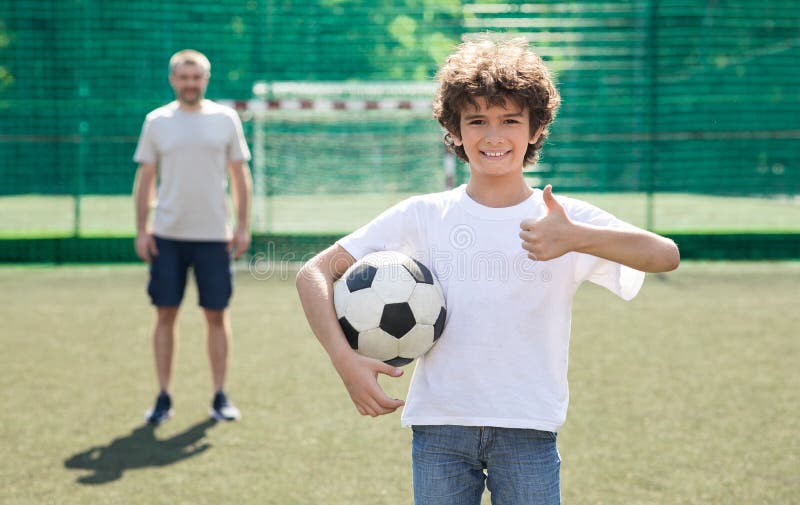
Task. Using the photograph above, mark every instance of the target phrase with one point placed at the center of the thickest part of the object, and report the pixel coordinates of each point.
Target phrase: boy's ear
(456, 139)
(536, 135)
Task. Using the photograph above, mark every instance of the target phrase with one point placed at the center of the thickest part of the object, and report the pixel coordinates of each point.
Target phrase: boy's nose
(493, 134)
(493, 137)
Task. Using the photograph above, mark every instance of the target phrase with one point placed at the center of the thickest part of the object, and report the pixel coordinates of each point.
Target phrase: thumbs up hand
(551, 235)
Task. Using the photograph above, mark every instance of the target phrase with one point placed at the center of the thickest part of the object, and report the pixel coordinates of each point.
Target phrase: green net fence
(678, 115)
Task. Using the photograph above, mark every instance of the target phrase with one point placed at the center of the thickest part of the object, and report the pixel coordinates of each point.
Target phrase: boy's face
(495, 138)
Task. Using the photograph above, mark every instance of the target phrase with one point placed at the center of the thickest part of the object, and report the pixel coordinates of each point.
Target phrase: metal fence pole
(652, 148)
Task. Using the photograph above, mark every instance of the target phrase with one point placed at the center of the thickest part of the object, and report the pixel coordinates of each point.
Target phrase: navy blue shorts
(213, 272)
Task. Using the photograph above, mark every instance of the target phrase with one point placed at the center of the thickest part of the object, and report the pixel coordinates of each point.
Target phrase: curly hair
(496, 71)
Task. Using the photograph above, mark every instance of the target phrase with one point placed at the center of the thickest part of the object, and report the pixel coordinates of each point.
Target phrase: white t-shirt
(192, 149)
(502, 358)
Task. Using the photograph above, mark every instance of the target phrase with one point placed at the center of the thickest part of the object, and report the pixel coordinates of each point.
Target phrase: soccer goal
(329, 156)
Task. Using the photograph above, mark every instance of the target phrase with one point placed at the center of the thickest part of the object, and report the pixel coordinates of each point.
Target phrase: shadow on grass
(139, 449)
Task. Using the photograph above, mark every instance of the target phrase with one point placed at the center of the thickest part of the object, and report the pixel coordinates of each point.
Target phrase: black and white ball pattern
(390, 307)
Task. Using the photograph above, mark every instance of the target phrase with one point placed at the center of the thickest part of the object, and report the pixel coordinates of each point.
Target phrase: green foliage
(386, 39)
(6, 77)
(668, 96)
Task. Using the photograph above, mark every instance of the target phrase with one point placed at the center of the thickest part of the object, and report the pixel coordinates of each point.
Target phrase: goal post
(327, 156)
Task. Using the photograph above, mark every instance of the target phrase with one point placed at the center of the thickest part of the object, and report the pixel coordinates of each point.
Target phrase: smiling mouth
(494, 155)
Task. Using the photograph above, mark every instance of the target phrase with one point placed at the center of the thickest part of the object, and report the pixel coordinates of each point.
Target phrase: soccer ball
(390, 307)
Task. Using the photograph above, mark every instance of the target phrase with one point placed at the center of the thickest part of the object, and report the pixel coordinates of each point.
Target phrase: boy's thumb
(549, 199)
(390, 370)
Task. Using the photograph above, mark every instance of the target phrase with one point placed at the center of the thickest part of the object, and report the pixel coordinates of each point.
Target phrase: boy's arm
(359, 373)
(555, 235)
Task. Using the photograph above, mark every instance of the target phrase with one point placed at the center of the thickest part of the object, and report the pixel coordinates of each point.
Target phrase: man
(191, 146)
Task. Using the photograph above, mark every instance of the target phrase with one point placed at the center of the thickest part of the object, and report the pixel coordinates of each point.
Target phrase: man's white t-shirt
(502, 358)
(192, 150)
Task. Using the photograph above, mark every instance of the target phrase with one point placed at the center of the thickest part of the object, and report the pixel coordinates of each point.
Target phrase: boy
(486, 401)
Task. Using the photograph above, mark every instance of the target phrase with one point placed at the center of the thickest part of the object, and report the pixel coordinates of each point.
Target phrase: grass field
(687, 395)
(33, 216)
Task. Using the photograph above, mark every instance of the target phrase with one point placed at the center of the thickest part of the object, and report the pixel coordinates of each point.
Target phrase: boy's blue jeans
(522, 466)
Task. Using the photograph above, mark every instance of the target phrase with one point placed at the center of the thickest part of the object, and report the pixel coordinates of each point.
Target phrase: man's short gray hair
(191, 57)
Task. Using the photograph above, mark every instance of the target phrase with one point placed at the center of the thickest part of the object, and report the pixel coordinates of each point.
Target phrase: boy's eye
(476, 121)
(512, 121)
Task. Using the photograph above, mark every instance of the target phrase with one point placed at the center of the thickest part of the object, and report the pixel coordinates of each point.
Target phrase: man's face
(189, 81)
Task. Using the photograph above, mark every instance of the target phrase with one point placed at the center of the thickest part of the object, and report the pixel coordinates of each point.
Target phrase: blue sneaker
(161, 411)
(222, 409)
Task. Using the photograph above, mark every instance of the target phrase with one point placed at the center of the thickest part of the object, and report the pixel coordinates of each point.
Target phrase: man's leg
(164, 345)
(218, 341)
(167, 283)
(214, 276)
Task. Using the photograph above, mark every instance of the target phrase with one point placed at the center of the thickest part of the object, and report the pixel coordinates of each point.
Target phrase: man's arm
(143, 190)
(555, 234)
(242, 195)
(359, 373)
